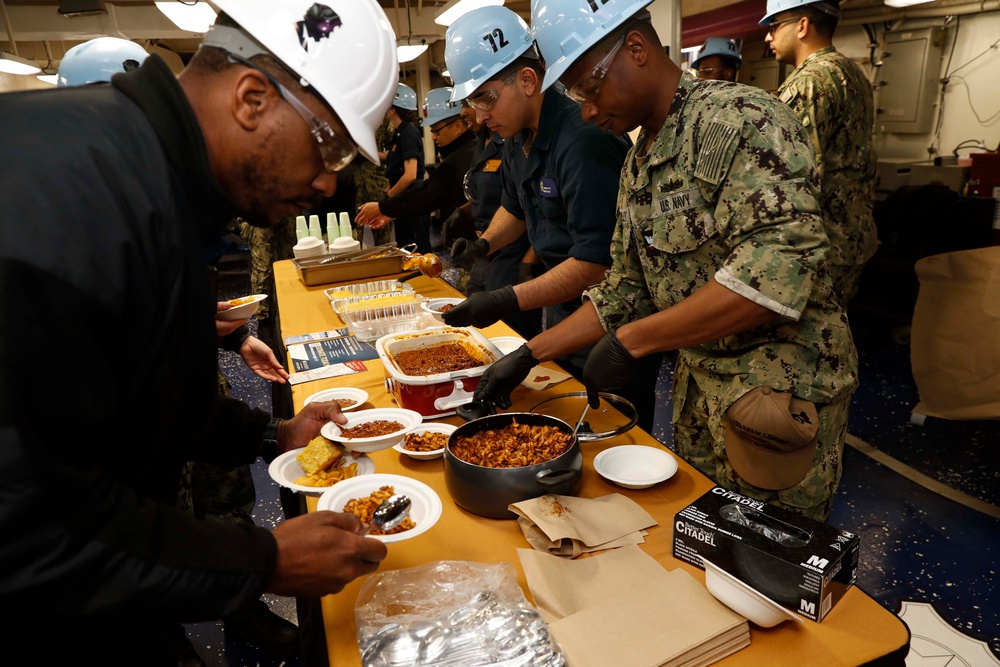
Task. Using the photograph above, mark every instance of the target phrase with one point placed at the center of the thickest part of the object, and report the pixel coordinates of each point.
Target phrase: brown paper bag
(955, 337)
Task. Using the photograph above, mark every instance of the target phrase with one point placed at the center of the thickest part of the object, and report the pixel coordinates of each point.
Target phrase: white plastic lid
(308, 242)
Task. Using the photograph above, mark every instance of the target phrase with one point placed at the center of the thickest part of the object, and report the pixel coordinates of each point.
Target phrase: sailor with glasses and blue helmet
(718, 254)
(143, 172)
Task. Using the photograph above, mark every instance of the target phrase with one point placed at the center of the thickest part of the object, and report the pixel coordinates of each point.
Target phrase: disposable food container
(437, 394)
(368, 289)
(489, 491)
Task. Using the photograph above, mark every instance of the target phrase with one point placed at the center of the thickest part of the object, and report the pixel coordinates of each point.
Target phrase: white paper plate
(410, 419)
(359, 396)
(425, 510)
(507, 344)
(635, 466)
(286, 469)
(430, 427)
(242, 311)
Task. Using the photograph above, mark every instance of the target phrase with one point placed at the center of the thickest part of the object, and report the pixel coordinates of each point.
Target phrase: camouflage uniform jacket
(833, 99)
(729, 192)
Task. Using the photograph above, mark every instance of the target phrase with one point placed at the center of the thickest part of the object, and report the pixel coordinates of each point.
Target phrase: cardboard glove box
(801, 564)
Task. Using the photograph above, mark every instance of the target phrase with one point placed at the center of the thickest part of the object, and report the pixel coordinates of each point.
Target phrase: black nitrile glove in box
(800, 563)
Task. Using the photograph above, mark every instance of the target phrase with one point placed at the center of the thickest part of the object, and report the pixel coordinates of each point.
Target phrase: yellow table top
(856, 631)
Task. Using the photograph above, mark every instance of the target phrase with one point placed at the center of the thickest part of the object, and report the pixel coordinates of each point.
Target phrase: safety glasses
(588, 89)
(774, 26)
(336, 150)
(485, 100)
(441, 128)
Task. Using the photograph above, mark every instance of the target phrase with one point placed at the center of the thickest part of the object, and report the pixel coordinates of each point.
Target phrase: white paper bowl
(242, 311)
(310, 246)
(425, 509)
(434, 306)
(635, 466)
(359, 396)
(286, 469)
(410, 419)
(744, 600)
(507, 344)
(431, 427)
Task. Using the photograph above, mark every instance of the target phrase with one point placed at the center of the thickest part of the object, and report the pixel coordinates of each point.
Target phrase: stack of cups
(301, 231)
(345, 241)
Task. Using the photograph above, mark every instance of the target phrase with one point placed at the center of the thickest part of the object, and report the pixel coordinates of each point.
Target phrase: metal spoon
(391, 512)
(579, 423)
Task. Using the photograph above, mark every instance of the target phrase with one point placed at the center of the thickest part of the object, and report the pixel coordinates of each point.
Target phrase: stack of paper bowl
(309, 246)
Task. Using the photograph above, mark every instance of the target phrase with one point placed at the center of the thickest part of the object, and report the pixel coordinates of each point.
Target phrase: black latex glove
(609, 366)
(503, 376)
(482, 309)
(466, 252)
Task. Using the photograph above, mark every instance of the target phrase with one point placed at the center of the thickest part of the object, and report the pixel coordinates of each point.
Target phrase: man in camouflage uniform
(718, 253)
(833, 99)
(371, 184)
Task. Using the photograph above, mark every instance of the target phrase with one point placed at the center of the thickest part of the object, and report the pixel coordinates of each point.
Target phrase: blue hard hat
(438, 106)
(480, 44)
(777, 6)
(406, 97)
(565, 29)
(719, 46)
(98, 60)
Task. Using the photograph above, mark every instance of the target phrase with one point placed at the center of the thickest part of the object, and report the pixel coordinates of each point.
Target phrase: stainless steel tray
(320, 271)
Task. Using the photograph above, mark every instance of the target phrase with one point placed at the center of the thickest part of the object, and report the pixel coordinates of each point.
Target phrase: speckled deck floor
(930, 559)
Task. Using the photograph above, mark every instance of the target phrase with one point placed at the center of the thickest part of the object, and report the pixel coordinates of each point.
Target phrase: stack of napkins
(570, 526)
(623, 608)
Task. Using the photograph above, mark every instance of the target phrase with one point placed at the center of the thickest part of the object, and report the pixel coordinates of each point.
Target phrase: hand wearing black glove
(482, 309)
(466, 252)
(503, 376)
(609, 366)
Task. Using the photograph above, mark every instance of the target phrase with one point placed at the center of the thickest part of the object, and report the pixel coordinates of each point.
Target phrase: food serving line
(856, 631)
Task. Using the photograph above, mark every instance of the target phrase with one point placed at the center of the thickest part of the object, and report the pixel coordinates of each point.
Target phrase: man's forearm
(563, 282)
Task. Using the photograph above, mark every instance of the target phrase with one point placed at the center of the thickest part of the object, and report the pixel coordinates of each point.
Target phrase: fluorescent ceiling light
(12, 64)
(407, 52)
(904, 3)
(455, 8)
(198, 17)
(49, 78)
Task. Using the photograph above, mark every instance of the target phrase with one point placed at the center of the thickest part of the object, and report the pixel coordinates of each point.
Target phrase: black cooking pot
(488, 491)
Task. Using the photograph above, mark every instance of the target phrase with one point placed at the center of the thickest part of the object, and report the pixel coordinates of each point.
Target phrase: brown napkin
(623, 608)
(570, 526)
(540, 378)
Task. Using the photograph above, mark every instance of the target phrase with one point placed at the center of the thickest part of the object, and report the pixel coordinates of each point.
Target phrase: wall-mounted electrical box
(911, 67)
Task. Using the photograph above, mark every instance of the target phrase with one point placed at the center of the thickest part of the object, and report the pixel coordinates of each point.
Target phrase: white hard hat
(98, 60)
(405, 98)
(719, 46)
(481, 43)
(438, 106)
(565, 29)
(323, 44)
(778, 6)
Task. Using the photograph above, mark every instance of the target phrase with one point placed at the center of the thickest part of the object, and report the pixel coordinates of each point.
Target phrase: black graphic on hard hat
(320, 21)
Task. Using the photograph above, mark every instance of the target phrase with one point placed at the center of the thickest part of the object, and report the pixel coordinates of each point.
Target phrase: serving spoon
(392, 512)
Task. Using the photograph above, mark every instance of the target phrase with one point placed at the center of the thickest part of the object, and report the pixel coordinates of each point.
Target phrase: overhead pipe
(882, 14)
(10, 30)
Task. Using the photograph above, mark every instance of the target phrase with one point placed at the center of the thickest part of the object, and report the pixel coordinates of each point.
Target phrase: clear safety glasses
(336, 150)
(588, 89)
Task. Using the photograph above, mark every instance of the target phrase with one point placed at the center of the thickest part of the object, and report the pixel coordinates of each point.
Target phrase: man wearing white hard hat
(98, 564)
(719, 60)
(718, 254)
(833, 98)
(442, 191)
